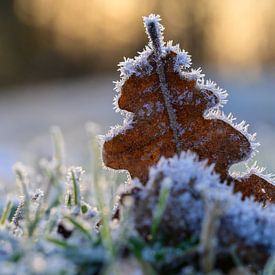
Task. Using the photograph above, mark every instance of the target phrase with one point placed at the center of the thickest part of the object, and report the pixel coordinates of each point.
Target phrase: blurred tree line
(27, 54)
(46, 39)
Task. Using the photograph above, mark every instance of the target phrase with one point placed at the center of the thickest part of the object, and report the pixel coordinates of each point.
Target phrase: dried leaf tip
(154, 31)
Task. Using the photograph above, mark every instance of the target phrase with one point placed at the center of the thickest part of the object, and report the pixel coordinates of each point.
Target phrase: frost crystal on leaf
(212, 86)
(241, 127)
(255, 169)
(118, 129)
(154, 20)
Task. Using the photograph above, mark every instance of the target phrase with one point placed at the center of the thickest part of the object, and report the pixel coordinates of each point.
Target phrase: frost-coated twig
(155, 36)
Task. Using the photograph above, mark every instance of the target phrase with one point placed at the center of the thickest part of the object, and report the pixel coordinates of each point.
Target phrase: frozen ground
(26, 113)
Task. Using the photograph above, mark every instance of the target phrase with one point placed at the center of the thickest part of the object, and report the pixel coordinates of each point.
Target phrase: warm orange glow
(235, 33)
(86, 25)
(239, 31)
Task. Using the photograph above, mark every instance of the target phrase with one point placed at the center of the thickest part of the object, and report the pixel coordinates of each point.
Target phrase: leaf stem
(154, 33)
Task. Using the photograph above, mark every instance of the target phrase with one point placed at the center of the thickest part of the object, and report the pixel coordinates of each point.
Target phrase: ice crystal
(241, 126)
(115, 130)
(256, 170)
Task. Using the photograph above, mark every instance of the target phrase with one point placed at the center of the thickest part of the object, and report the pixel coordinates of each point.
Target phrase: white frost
(152, 18)
(212, 86)
(183, 59)
(247, 219)
(118, 129)
(241, 127)
(258, 171)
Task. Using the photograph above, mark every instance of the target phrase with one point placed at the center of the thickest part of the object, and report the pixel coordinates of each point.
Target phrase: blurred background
(58, 60)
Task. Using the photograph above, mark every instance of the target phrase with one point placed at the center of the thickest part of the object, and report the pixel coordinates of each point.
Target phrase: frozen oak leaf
(169, 109)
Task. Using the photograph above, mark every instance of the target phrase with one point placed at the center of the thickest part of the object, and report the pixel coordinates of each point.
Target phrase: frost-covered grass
(51, 224)
(59, 221)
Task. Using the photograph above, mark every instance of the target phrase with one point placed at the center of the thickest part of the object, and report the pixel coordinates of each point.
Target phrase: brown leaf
(169, 107)
(254, 185)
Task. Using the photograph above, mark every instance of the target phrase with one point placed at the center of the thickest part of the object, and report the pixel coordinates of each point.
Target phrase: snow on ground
(26, 114)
